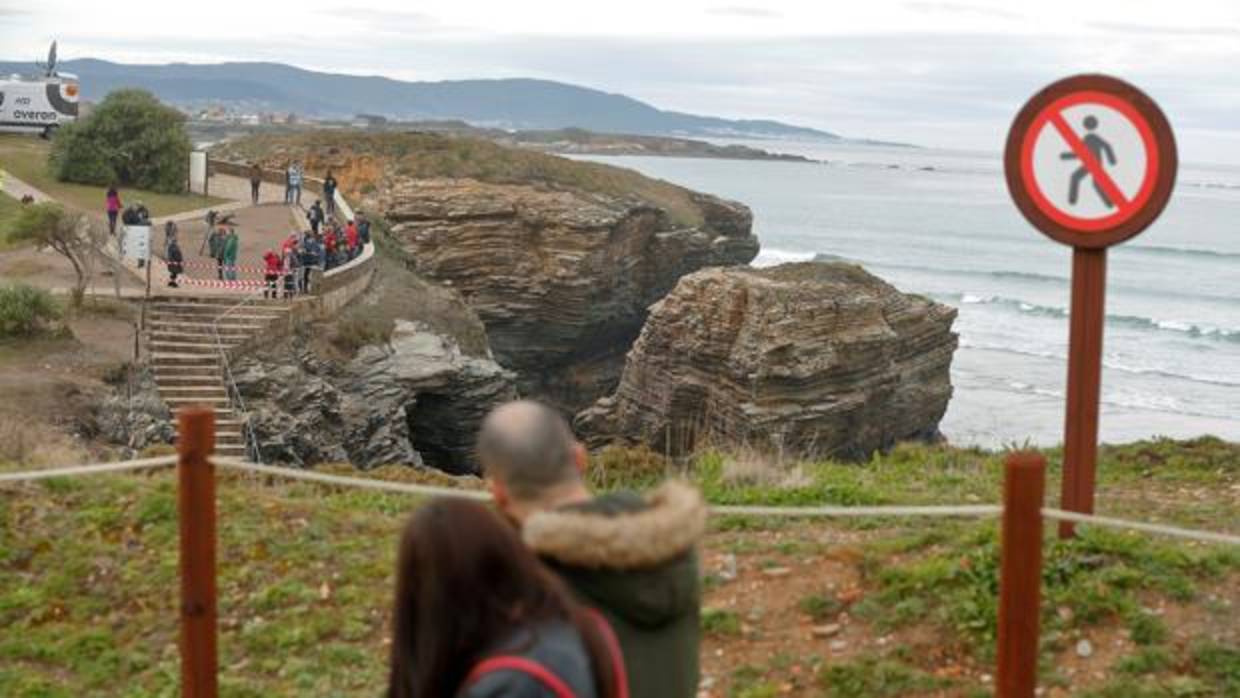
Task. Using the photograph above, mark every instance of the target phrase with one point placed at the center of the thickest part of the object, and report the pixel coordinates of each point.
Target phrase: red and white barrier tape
(212, 265)
(240, 283)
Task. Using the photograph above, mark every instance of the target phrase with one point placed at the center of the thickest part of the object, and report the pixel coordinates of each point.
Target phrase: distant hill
(518, 103)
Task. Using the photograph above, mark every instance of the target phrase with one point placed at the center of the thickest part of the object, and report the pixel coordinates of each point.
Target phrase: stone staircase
(185, 356)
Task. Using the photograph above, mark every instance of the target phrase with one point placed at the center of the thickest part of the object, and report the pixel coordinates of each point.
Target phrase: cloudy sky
(945, 73)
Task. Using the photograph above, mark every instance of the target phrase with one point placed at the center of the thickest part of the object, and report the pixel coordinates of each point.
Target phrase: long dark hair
(464, 583)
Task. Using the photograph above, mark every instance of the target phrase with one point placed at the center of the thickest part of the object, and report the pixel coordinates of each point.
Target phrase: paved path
(17, 189)
(260, 228)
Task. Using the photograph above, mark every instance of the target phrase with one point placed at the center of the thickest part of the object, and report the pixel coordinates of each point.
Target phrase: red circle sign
(1090, 161)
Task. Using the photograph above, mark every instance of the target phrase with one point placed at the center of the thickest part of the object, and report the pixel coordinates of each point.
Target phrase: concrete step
(201, 310)
(198, 326)
(178, 359)
(225, 301)
(171, 335)
(182, 391)
(243, 316)
(175, 403)
(166, 346)
(192, 377)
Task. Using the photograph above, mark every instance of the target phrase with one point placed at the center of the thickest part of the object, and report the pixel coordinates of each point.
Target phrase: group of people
(554, 593)
(223, 246)
(294, 179)
(287, 271)
(325, 246)
(342, 244)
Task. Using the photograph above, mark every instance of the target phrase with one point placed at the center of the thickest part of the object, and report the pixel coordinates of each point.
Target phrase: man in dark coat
(631, 557)
(315, 214)
(175, 261)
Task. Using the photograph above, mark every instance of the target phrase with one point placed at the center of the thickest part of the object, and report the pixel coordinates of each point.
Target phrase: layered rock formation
(560, 259)
(817, 359)
(417, 399)
(562, 280)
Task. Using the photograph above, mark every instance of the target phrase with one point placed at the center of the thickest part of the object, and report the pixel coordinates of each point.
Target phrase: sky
(945, 73)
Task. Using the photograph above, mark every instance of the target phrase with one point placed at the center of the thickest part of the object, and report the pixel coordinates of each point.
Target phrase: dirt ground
(49, 385)
(762, 578)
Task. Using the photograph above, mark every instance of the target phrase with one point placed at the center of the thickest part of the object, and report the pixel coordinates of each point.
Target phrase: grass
(874, 677)
(426, 155)
(88, 572)
(397, 293)
(716, 621)
(26, 158)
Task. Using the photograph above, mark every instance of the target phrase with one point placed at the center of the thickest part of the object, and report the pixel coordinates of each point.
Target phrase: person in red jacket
(350, 237)
(275, 266)
(329, 245)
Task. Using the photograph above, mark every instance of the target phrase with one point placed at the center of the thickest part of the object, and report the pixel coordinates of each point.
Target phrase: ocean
(940, 223)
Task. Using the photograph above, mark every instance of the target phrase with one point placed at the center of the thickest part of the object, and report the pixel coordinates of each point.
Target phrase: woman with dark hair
(477, 616)
(114, 208)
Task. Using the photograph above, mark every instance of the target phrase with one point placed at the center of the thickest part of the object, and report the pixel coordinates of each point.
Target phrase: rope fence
(1160, 529)
(93, 469)
(826, 511)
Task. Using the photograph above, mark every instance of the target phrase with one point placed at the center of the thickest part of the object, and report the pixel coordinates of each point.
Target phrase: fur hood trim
(672, 522)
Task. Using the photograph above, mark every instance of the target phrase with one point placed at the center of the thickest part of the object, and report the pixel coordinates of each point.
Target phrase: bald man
(631, 557)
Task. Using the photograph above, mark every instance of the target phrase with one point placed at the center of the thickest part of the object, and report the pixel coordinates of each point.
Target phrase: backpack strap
(613, 648)
(524, 666)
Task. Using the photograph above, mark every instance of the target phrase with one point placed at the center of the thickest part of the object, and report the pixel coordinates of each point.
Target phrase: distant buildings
(369, 121)
(220, 114)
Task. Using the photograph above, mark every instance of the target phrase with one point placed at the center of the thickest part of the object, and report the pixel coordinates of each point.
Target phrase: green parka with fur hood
(634, 559)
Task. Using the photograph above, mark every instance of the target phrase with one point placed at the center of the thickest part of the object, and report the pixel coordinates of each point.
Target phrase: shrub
(26, 311)
(71, 235)
(353, 333)
(131, 139)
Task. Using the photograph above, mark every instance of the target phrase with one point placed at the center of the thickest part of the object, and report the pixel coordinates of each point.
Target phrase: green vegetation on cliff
(88, 580)
(427, 155)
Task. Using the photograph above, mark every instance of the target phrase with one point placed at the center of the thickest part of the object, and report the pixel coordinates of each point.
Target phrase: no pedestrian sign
(1090, 161)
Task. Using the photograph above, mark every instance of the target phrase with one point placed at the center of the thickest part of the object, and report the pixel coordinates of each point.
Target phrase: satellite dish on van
(50, 67)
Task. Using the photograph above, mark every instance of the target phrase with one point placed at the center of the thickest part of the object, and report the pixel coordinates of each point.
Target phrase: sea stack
(813, 359)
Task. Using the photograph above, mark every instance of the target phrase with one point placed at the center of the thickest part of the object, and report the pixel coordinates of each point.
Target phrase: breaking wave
(1183, 328)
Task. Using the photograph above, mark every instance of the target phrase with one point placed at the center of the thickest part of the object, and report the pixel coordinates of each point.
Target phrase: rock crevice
(417, 399)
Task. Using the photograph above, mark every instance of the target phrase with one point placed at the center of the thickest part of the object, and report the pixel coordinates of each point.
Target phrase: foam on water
(941, 224)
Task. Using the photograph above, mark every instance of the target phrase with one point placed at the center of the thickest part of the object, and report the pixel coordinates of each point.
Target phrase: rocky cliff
(560, 259)
(561, 279)
(415, 399)
(819, 359)
(402, 375)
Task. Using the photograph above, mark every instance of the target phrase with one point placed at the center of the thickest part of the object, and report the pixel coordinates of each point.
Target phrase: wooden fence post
(1020, 576)
(196, 503)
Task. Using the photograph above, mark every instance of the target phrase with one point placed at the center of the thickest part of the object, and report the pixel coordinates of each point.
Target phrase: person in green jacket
(231, 243)
(632, 558)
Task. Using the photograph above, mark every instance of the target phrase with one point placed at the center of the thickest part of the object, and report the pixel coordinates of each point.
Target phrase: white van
(38, 104)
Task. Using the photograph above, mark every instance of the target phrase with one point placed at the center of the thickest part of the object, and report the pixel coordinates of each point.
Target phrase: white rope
(1207, 536)
(838, 511)
(725, 510)
(431, 490)
(93, 469)
(346, 481)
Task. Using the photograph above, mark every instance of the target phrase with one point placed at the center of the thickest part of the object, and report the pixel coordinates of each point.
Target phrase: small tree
(131, 139)
(70, 234)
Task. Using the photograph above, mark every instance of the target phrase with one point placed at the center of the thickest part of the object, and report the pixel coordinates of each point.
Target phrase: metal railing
(248, 434)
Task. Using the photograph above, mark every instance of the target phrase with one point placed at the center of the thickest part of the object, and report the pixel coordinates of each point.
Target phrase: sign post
(1090, 161)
